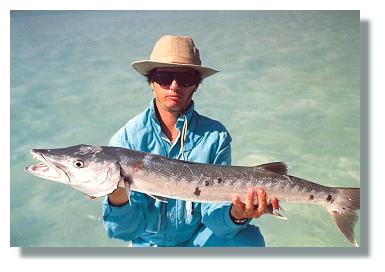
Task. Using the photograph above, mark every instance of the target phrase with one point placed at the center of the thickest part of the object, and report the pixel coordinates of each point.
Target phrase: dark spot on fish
(137, 166)
(207, 183)
(329, 198)
(311, 197)
(343, 208)
(197, 191)
(219, 180)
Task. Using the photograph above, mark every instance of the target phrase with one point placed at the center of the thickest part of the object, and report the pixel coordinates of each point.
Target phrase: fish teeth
(37, 156)
(34, 155)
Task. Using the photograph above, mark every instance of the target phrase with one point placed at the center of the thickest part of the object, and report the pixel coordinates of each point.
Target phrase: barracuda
(99, 170)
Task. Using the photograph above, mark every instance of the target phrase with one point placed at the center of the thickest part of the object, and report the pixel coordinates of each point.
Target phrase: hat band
(178, 60)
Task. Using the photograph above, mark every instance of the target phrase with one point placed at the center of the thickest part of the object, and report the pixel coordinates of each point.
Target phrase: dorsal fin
(276, 167)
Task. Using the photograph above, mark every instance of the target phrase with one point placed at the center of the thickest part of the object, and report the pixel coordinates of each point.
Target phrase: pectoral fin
(125, 182)
(160, 198)
(275, 212)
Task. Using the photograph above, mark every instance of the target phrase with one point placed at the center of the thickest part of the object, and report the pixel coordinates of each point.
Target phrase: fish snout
(40, 151)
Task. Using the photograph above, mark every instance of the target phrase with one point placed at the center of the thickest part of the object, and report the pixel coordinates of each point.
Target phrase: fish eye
(78, 163)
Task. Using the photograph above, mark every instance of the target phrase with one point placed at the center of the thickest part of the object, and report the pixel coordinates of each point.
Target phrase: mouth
(174, 97)
(46, 169)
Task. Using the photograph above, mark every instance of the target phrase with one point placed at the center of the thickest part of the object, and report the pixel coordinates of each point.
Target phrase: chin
(175, 105)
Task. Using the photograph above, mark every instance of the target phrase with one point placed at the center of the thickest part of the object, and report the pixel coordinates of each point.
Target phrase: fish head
(84, 167)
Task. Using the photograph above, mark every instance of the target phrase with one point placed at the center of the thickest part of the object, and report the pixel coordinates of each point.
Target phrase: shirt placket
(172, 150)
(171, 206)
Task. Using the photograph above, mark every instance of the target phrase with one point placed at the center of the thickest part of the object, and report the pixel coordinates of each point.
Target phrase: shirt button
(171, 215)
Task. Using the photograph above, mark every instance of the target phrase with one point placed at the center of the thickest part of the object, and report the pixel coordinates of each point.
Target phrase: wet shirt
(149, 222)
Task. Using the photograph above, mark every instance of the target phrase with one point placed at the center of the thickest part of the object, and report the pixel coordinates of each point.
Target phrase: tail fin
(345, 214)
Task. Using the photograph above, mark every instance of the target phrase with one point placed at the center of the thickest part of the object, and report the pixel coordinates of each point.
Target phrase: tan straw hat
(173, 51)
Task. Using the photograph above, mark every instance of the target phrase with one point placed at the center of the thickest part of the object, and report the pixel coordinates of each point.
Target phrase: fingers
(261, 194)
(241, 210)
(251, 209)
(274, 202)
(249, 201)
(238, 208)
(248, 209)
(259, 210)
(238, 204)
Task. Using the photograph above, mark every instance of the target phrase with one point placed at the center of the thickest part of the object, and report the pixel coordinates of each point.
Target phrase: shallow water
(288, 91)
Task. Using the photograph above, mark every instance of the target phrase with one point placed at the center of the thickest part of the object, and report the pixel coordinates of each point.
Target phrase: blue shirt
(150, 222)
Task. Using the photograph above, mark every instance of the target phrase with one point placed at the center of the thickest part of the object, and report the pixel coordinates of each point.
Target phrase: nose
(174, 85)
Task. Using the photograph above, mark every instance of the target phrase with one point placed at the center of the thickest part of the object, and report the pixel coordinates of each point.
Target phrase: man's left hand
(240, 210)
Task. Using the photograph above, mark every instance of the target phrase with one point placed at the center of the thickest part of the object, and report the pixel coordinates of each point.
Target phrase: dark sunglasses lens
(163, 79)
(185, 79)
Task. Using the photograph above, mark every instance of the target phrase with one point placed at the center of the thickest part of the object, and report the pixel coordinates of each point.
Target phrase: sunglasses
(165, 78)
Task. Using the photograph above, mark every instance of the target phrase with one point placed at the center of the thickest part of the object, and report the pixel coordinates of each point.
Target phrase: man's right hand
(118, 197)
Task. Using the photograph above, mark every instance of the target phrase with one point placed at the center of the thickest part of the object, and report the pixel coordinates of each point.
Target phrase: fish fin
(275, 212)
(121, 183)
(276, 167)
(125, 182)
(128, 190)
(127, 186)
(345, 214)
(89, 196)
(159, 198)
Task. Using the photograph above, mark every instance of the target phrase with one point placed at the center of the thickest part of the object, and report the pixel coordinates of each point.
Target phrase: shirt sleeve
(217, 216)
(121, 139)
(117, 221)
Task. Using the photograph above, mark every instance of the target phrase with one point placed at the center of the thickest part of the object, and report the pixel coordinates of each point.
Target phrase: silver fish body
(99, 170)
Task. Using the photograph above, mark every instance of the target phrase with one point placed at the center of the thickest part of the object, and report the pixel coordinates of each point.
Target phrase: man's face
(173, 93)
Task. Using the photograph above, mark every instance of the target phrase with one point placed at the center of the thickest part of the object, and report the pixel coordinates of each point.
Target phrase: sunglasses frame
(175, 76)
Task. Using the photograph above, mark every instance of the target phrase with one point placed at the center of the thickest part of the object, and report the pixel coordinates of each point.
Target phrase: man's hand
(240, 210)
(118, 197)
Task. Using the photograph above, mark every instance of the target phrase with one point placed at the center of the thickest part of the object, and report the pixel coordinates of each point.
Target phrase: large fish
(99, 170)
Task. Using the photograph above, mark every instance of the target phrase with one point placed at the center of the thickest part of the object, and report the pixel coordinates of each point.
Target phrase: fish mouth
(47, 169)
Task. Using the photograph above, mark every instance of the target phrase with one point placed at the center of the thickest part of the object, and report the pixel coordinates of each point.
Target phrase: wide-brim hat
(173, 51)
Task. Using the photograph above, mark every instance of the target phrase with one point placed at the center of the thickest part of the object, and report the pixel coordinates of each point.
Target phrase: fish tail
(344, 212)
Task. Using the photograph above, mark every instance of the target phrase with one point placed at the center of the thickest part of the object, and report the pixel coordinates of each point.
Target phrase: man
(171, 127)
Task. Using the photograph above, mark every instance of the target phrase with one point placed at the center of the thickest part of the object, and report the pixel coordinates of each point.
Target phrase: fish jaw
(96, 175)
(47, 169)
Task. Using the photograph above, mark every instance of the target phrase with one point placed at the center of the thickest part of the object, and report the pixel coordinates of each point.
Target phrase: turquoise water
(288, 91)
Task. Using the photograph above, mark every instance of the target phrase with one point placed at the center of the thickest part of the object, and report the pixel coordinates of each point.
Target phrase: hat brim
(145, 66)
